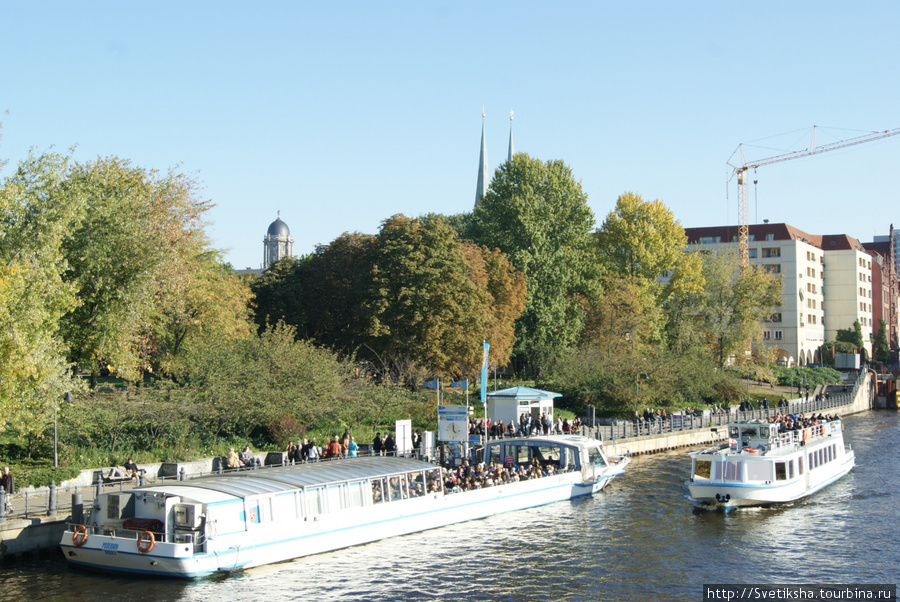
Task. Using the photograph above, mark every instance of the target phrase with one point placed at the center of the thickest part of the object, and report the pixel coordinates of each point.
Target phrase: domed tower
(277, 243)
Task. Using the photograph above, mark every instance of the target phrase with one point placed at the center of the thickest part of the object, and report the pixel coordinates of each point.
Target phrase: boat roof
(280, 479)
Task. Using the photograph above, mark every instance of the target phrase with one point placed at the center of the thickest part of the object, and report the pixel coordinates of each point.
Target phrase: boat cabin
(563, 454)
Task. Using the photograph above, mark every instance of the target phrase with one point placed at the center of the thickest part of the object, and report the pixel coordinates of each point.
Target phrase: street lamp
(68, 398)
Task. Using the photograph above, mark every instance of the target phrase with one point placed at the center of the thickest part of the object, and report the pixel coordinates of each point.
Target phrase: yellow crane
(741, 172)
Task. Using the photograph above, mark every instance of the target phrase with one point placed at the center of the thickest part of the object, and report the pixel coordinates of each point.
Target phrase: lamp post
(68, 398)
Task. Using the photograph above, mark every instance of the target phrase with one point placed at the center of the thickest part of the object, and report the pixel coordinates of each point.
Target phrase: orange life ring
(80, 535)
(144, 545)
(805, 434)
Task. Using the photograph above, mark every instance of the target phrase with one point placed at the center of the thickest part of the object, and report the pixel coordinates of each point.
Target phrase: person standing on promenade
(7, 483)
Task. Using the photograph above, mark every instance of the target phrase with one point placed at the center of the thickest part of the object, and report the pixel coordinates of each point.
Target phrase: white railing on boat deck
(794, 437)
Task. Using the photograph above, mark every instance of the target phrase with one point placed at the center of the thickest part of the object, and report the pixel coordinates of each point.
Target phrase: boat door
(592, 464)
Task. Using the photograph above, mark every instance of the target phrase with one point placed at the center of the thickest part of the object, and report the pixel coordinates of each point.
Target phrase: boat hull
(279, 542)
(725, 495)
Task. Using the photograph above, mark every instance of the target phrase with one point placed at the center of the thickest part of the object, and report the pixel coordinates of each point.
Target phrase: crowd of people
(527, 426)
(479, 475)
(344, 446)
(798, 422)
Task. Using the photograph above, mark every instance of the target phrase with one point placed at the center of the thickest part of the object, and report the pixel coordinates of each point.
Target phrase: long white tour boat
(234, 521)
(763, 464)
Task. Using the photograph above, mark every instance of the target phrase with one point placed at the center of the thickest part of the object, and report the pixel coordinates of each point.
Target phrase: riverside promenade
(38, 518)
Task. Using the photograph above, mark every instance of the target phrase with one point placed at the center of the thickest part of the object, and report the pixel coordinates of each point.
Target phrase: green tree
(124, 255)
(852, 335)
(34, 374)
(336, 285)
(210, 303)
(241, 386)
(423, 306)
(730, 309)
(537, 214)
(491, 271)
(278, 295)
(641, 239)
(881, 350)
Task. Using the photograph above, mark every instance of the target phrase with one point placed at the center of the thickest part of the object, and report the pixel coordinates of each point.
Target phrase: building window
(772, 252)
(770, 236)
(767, 334)
(752, 253)
(775, 318)
(778, 335)
(708, 240)
(774, 268)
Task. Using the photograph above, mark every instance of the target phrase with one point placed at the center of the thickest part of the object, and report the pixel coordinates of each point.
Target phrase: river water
(640, 539)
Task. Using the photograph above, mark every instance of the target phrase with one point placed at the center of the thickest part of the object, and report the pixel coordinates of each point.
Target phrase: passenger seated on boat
(377, 497)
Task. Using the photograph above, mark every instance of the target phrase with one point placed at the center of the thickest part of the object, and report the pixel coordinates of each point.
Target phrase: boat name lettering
(110, 548)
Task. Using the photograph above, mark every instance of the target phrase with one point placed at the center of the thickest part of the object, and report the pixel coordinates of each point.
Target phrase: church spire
(511, 151)
(481, 187)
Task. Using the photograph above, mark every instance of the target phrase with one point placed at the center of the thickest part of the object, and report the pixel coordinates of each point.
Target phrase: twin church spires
(482, 186)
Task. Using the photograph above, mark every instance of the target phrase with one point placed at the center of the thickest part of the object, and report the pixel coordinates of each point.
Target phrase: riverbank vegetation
(106, 273)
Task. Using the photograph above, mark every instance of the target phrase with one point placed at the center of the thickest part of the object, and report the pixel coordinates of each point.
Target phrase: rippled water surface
(640, 539)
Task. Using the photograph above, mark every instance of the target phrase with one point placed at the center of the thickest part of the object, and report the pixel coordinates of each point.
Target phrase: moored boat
(770, 463)
(234, 521)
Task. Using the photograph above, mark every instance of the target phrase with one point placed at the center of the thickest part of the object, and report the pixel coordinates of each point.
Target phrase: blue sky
(341, 114)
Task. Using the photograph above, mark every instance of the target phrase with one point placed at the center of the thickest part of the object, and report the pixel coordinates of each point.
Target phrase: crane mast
(741, 172)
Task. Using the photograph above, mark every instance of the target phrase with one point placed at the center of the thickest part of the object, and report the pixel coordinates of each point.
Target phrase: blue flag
(484, 367)
(461, 384)
(431, 384)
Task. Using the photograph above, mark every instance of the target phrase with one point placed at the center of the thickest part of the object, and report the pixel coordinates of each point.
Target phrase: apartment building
(827, 285)
(885, 288)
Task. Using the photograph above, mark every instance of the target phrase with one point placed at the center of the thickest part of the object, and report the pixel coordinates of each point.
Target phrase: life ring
(145, 545)
(751, 450)
(80, 535)
(805, 434)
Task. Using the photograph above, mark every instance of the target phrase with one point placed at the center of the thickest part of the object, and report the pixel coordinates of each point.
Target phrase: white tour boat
(764, 465)
(233, 521)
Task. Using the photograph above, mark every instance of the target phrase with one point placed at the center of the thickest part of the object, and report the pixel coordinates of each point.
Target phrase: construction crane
(741, 172)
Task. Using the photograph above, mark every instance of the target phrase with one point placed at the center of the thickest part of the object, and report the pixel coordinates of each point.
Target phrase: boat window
(522, 454)
(764, 432)
(397, 488)
(733, 432)
(355, 497)
(730, 471)
(435, 482)
(315, 501)
(595, 457)
(780, 472)
(800, 465)
(759, 471)
(334, 498)
(496, 454)
(379, 491)
(703, 468)
(790, 467)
